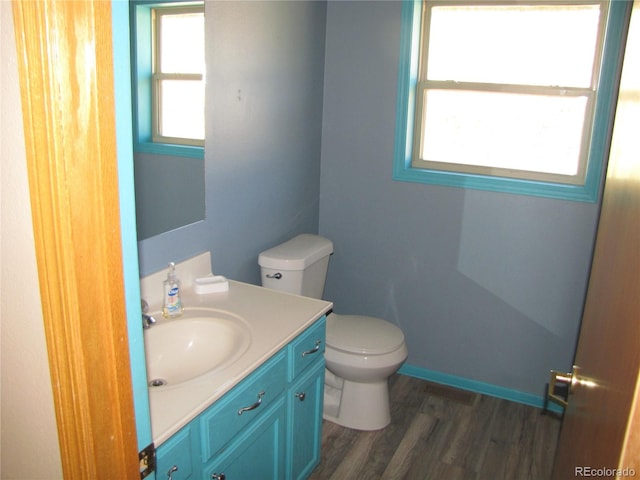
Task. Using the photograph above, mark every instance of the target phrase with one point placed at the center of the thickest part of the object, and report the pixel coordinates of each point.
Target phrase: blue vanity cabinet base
(278, 439)
(305, 422)
(258, 452)
(179, 452)
(220, 424)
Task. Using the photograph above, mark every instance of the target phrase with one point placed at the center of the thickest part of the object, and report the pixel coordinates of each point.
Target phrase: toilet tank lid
(297, 253)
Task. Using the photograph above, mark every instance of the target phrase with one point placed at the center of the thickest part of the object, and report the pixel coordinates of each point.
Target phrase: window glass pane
(182, 106)
(182, 43)
(525, 45)
(535, 133)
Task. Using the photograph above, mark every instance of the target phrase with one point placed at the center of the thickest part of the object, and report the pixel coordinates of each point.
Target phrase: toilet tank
(297, 266)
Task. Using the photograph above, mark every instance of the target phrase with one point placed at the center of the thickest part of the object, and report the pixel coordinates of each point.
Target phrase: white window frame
(158, 76)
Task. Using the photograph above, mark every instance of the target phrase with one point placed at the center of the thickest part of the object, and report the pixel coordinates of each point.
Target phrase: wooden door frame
(65, 63)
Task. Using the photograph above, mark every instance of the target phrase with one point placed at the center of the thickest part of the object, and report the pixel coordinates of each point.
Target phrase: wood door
(65, 63)
(599, 435)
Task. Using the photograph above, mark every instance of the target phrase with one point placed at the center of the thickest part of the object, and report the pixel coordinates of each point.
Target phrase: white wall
(28, 436)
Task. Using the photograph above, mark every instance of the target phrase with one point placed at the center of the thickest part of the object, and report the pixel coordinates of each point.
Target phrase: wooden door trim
(65, 63)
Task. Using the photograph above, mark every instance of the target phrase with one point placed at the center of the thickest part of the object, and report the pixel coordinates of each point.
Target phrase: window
(508, 97)
(178, 72)
(168, 74)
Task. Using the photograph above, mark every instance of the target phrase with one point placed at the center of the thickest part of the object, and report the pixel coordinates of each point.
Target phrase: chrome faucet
(147, 320)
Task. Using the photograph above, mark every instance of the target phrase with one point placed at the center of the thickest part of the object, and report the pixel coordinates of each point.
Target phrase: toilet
(361, 352)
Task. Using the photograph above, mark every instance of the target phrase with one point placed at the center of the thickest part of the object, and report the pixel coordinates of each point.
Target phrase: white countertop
(274, 318)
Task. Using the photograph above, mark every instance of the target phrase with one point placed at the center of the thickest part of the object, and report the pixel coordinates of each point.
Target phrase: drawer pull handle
(254, 406)
(313, 350)
(170, 472)
(301, 396)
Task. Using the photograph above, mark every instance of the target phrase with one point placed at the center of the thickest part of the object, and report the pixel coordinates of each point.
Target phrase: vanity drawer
(307, 348)
(243, 405)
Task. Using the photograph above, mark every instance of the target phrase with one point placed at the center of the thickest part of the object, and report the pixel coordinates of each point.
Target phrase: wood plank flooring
(442, 433)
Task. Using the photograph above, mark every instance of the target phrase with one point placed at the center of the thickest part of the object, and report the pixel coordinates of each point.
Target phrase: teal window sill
(169, 149)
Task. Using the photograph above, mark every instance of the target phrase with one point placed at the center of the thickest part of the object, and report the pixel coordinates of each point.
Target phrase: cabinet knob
(218, 476)
(301, 396)
(170, 472)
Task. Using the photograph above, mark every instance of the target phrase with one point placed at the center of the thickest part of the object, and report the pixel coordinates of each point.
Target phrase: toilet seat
(360, 334)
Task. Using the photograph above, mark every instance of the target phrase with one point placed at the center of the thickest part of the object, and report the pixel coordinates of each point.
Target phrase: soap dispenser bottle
(172, 304)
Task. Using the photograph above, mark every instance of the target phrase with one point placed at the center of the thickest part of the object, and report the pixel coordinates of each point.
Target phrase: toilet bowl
(361, 352)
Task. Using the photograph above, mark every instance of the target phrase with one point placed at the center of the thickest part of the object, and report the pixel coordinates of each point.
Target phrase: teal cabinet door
(305, 422)
(258, 453)
(174, 458)
(222, 423)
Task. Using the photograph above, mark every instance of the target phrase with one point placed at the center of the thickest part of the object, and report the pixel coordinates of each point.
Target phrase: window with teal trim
(503, 97)
(168, 68)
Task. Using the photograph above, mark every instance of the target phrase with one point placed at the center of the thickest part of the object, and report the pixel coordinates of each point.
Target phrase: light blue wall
(265, 65)
(486, 286)
(169, 192)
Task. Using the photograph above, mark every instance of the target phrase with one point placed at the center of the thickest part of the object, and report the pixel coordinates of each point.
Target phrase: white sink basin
(200, 341)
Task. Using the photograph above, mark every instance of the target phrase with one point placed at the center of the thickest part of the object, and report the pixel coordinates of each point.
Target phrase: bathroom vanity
(267, 426)
(259, 416)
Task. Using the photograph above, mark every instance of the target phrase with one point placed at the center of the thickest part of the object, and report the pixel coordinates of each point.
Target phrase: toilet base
(361, 406)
